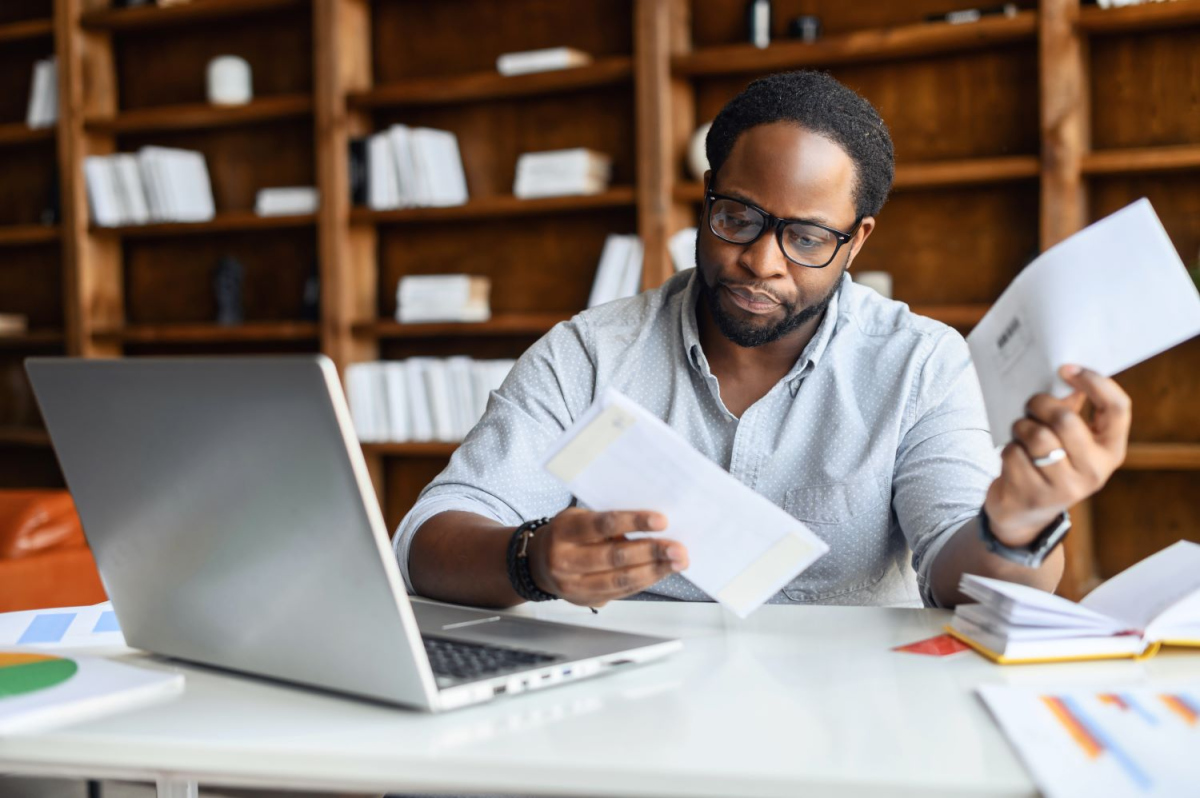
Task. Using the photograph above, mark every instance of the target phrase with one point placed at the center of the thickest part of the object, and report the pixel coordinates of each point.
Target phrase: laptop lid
(227, 502)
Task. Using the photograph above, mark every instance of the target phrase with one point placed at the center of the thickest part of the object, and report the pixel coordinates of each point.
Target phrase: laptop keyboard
(454, 659)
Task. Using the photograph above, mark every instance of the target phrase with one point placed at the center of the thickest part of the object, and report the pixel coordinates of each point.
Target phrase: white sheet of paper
(1117, 740)
(741, 547)
(1110, 296)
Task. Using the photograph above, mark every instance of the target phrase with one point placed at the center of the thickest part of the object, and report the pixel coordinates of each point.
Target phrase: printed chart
(27, 673)
(63, 627)
(1125, 741)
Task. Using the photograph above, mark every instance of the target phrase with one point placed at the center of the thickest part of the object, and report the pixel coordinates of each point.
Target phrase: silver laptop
(234, 523)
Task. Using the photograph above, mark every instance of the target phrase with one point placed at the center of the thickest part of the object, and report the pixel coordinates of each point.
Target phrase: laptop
(234, 523)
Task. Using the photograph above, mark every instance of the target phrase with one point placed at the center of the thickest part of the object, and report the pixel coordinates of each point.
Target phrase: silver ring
(1050, 458)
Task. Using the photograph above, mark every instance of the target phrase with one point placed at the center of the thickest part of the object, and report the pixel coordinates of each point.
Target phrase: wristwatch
(518, 562)
(1033, 555)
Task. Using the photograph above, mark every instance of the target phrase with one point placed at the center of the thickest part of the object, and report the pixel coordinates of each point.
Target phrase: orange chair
(44, 559)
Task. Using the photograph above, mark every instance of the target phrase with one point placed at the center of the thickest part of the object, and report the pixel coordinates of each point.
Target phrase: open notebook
(1153, 603)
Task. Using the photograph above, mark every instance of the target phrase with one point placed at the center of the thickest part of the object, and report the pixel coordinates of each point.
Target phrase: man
(858, 417)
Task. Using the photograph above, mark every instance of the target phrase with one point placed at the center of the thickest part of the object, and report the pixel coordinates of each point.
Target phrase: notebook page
(741, 547)
(1140, 593)
(999, 593)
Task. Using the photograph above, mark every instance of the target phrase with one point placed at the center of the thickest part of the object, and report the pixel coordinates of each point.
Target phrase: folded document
(1107, 298)
(741, 547)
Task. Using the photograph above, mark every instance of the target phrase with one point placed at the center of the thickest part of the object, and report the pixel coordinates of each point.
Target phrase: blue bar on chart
(47, 628)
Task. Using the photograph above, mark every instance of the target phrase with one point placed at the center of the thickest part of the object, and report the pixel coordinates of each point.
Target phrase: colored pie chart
(28, 673)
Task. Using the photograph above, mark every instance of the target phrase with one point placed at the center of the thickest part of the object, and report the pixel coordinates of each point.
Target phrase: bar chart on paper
(1136, 741)
(62, 627)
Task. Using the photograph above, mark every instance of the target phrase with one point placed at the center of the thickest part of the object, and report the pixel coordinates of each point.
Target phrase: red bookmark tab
(940, 646)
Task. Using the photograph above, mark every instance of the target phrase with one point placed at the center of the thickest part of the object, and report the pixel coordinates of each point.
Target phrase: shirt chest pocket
(853, 518)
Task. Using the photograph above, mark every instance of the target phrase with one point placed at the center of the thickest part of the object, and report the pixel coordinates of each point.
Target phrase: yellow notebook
(1154, 603)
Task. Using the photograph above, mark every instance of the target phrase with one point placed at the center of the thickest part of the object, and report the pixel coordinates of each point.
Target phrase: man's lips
(752, 301)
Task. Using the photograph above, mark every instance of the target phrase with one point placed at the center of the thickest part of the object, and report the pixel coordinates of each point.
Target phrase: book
(287, 201)
(158, 184)
(619, 272)
(682, 246)
(39, 691)
(562, 172)
(383, 189)
(443, 297)
(1151, 604)
(545, 60)
(42, 110)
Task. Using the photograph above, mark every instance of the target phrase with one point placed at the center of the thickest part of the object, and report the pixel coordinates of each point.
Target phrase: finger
(609, 585)
(1110, 423)
(1038, 440)
(593, 527)
(611, 555)
(1021, 484)
(1044, 408)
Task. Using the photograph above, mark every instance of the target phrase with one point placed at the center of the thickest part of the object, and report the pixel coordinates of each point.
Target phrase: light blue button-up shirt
(876, 439)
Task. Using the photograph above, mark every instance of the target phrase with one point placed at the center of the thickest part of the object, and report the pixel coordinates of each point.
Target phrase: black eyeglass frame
(777, 224)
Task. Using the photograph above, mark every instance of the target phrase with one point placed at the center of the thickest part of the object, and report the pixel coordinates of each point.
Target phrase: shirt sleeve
(497, 472)
(946, 459)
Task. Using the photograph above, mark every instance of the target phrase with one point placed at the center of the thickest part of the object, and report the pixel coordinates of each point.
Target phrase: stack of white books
(287, 201)
(422, 398)
(547, 60)
(411, 167)
(43, 95)
(559, 173)
(619, 274)
(158, 184)
(443, 297)
(682, 246)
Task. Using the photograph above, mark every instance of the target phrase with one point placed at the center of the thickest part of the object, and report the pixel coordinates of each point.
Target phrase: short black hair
(819, 103)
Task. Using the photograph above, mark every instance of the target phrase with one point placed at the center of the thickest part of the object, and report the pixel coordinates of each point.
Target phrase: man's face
(754, 293)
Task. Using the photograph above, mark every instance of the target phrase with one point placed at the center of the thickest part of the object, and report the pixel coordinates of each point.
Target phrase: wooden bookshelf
(223, 223)
(27, 30)
(1162, 457)
(518, 324)
(1143, 159)
(202, 116)
(884, 44)
(1139, 19)
(248, 332)
(33, 339)
(494, 86)
(152, 17)
(1003, 149)
(24, 437)
(429, 449)
(26, 234)
(19, 133)
(500, 207)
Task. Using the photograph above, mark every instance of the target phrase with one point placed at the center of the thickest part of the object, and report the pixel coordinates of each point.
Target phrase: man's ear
(707, 180)
(860, 237)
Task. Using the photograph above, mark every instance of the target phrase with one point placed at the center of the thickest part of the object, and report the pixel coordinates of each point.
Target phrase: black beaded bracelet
(518, 562)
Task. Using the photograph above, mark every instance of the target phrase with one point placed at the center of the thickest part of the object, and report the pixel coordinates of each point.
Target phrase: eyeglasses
(803, 243)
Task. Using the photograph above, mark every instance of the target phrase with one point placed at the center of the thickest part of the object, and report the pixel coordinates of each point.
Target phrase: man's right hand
(584, 557)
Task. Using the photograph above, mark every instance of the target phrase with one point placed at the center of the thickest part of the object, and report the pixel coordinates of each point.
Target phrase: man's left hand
(1077, 457)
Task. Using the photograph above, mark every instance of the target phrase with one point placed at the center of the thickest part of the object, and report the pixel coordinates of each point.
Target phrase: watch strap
(1032, 555)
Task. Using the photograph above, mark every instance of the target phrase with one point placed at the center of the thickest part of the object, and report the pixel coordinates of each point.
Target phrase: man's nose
(764, 259)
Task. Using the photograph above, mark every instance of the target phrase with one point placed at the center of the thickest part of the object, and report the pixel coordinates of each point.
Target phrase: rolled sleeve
(946, 459)
(497, 472)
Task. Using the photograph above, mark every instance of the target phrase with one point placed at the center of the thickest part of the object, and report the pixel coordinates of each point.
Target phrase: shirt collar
(808, 359)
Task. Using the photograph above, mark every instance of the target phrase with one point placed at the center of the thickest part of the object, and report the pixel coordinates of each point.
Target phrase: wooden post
(1065, 128)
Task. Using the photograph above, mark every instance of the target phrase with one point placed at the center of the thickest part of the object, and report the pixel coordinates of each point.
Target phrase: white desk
(796, 700)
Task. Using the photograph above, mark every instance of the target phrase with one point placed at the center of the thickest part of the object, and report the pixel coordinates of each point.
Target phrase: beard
(746, 332)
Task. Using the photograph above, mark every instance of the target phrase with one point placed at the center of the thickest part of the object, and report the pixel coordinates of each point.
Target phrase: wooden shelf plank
(33, 339)
(906, 41)
(224, 223)
(26, 30)
(1145, 159)
(967, 172)
(1162, 456)
(24, 436)
(493, 85)
(509, 324)
(25, 234)
(150, 17)
(957, 316)
(1132, 19)
(21, 133)
(429, 449)
(206, 333)
(202, 116)
(933, 174)
(499, 207)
